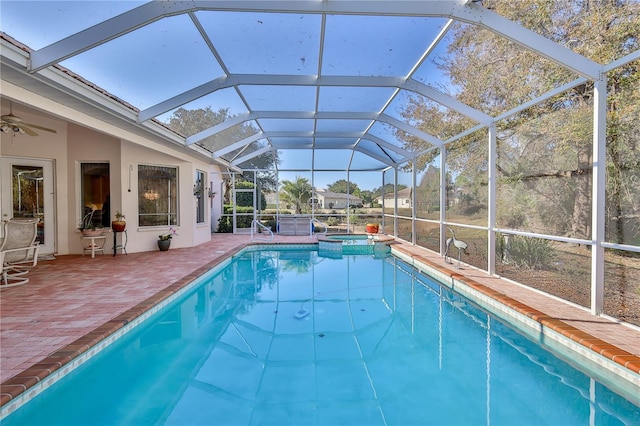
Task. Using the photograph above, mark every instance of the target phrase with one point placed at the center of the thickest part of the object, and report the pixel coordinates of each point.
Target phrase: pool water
(289, 337)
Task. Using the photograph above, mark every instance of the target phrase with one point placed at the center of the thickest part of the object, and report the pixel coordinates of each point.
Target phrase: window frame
(85, 217)
(199, 192)
(149, 193)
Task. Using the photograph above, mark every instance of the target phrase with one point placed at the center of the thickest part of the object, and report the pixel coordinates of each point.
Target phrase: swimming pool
(291, 337)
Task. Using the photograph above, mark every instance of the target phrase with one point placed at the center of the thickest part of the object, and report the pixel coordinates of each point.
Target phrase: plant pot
(372, 228)
(118, 225)
(91, 232)
(163, 245)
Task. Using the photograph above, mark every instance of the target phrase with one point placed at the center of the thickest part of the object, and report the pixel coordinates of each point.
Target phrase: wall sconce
(130, 172)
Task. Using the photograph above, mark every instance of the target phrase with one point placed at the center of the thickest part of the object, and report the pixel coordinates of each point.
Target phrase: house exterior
(93, 163)
(404, 199)
(331, 200)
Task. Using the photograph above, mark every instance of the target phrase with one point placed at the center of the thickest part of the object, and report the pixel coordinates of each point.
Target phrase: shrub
(532, 253)
(225, 225)
(332, 221)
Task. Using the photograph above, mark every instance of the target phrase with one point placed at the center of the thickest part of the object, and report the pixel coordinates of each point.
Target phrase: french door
(27, 192)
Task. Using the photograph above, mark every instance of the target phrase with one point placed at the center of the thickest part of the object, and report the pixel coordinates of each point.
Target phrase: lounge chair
(19, 251)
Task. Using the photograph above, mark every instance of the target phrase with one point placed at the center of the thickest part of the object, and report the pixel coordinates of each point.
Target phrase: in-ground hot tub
(338, 244)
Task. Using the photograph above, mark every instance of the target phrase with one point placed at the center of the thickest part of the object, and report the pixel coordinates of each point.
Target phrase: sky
(169, 56)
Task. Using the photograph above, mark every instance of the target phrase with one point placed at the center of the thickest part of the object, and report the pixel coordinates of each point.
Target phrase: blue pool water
(288, 337)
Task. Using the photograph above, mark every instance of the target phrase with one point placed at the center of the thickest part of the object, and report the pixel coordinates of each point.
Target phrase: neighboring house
(404, 199)
(331, 200)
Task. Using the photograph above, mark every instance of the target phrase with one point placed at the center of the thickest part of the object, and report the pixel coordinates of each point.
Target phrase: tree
(388, 188)
(428, 192)
(543, 151)
(190, 122)
(367, 196)
(296, 193)
(245, 199)
(343, 186)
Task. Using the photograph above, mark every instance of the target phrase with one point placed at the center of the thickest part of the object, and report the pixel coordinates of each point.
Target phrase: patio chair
(19, 251)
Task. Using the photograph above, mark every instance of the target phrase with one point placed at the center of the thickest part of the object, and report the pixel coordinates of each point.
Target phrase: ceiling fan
(15, 124)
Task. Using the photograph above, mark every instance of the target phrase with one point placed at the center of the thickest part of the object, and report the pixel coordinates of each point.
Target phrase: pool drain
(301, 313)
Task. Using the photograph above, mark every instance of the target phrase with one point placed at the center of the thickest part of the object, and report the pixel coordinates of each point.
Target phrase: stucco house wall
(84, 139)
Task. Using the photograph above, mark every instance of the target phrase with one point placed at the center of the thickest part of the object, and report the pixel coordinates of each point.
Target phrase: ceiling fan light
(5, 128)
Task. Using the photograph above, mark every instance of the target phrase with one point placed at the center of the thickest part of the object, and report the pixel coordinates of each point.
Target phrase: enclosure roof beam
(310, 135)
(237, 145)
(384, 160)
(310, 80)
(384, 144)
(249, 156)
(335, 115)
(156, 10)
(459, 10)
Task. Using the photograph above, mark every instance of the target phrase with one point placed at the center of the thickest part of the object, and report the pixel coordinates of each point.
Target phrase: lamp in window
(151, 195)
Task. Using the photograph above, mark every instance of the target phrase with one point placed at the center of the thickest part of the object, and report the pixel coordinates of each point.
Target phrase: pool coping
(20, 388)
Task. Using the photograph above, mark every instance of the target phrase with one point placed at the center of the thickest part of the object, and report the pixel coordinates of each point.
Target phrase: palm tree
(296, 193)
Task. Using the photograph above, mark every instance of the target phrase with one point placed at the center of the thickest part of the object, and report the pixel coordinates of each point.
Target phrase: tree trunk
(581, 220)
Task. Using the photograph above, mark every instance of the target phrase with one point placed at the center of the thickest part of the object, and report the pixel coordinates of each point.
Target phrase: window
(95, 193)
(199, 192)
(157, 195)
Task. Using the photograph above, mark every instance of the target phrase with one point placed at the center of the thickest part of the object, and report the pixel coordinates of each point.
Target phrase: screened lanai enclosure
(513, 124)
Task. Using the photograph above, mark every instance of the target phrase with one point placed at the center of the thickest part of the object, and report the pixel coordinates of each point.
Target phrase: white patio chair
(19, 251)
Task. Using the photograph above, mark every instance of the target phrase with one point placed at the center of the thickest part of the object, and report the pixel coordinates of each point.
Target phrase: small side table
(93, 244)
(123, 242)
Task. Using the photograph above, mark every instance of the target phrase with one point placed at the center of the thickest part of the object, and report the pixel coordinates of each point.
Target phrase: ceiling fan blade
(25, 129)
(10, 118)
(39, 127)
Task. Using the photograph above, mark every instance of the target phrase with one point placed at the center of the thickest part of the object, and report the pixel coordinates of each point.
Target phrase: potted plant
(164, 240)
(119, 224)
(87, 227)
